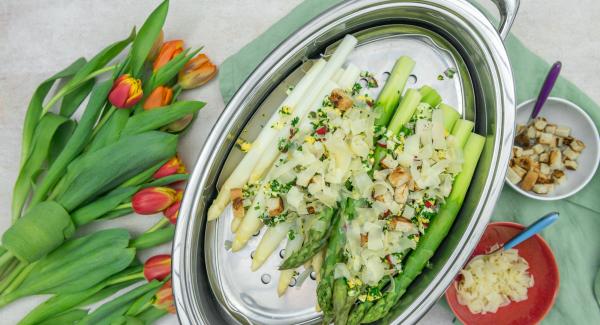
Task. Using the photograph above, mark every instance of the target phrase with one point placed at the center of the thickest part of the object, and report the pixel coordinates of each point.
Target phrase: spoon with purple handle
(545, 91)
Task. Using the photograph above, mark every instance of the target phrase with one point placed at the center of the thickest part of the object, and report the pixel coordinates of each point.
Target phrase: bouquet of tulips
(119, 157)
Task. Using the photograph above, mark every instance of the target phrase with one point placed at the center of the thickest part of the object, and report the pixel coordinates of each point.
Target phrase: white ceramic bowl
(562, 112)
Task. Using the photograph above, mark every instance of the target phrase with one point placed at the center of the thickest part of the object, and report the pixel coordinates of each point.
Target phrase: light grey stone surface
(40, 37)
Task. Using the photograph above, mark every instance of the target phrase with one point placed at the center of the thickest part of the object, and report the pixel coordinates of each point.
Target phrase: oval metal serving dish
(457, 51)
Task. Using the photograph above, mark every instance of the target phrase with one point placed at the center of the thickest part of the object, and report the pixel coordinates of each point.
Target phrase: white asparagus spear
(269, 242)
(337, 75)
(251, 222)
(286, 275)
(241, 174)
(335, 63)
(349, 77)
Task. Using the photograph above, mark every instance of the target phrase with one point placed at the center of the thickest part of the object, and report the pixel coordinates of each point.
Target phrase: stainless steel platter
(457, 51)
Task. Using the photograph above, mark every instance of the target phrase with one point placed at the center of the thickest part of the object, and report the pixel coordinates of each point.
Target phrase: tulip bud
(156, 46)
(196, 72)
(126, 91)
(168, 51)
(180, 124)
(173, 166)
(157, 267)
(153, 200)
(163, 299)
(172, 212)
(160, 96)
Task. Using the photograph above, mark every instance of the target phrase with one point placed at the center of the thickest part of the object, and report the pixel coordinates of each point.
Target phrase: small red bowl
(540, 297)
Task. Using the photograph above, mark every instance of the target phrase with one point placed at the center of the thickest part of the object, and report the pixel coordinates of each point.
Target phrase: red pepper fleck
(386, 213)
(388, 258)
(321, 131)
(382, 144)
(428, 204)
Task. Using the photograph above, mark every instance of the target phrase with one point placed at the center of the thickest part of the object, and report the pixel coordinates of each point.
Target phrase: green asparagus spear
(316, 239)
(334, 248)
(461, 131)
(358, 312)
(435, 234)
(450, 116)
(340, 293)
(390, 95)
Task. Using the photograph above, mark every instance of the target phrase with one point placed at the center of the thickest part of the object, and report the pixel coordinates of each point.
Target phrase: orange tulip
(160, 96)
(157, 267)
(156, 46)
(168, 51)
(153, 200)
(172, 212)
(196, 72)
(126, 91)
(173, 166)
(163, 299)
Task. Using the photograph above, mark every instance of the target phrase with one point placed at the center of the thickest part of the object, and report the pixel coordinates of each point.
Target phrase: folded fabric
(574, 238)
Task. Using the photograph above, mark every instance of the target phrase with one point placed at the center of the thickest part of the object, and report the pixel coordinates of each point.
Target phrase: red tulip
(153, 200)
(173, 166)
(196, 72)
(126, 91)
(157, 267)
(172, 212)
(163, 299)
(160, 96)
(168, 51)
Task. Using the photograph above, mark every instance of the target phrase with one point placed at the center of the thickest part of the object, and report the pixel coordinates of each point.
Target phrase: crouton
(512, 176)
(529, 180)
(577, 145)
(562, 131)
(559, 176)
(550, 128)
(571, 164)
(538, 148)
(544, 157)
(401, 194)
(517, 151)
(275, 206)
(546, 138)
(237, 202)
(540, 123)
(340, 100)
(570, 153)
(399, 176)
(542, 188)
(555, 160)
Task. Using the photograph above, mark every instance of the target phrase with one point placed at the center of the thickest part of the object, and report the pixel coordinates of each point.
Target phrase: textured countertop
(41, 37)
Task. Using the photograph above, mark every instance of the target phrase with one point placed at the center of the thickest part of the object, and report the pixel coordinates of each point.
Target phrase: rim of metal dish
(191, 224)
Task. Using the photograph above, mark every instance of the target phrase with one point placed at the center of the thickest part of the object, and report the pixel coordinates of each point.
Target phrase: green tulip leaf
(111, 131)
(98, 172)
(76, 143)
(154, 238)
(42, 140)
(103, 205)
(161, 116)
(147, 35)
(71, 101)
(69, 317)
(35, 109)
(60, 140)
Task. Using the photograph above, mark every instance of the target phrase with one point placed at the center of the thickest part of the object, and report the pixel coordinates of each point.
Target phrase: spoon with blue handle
(528, 232)
(544, 92)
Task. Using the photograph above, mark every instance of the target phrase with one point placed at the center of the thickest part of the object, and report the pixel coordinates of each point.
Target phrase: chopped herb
(291, 234)
(295, 121)
(283, 145)
(440, 77)
(356, 88)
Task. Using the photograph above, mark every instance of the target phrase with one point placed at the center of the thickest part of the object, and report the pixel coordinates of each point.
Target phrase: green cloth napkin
(575, 238)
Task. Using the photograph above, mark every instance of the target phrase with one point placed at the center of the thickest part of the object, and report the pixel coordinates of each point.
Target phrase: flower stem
(5, 258)
(69, 88)
(104, 119)
(159, 225)
(126, 278)
(11, 276)
(122, 206)
(19, 278)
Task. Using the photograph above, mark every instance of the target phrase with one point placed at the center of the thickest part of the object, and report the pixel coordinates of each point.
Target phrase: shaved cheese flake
(493, 281)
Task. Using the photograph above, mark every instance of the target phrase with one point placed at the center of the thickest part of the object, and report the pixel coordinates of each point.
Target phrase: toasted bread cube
(521, 127)
(399, 176)
(512, 176)
(559, 142)
(540, 123)
(567, 140)
(538, 148)
(527, 153)
(275, 206)
(562, 131)
(570, 153)
(541, 188)
(544, 179)
(577, 145)
(550, 128)
(531, 132)
(525, 162)
(555, 160)
(570, 164)
(529, 180)
(519, 170)
(545, 169)
(517, 151)
(544, 157)
(546, 138)
(559, 176)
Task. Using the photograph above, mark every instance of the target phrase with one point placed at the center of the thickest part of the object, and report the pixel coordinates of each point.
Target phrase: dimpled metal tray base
(251, 297)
